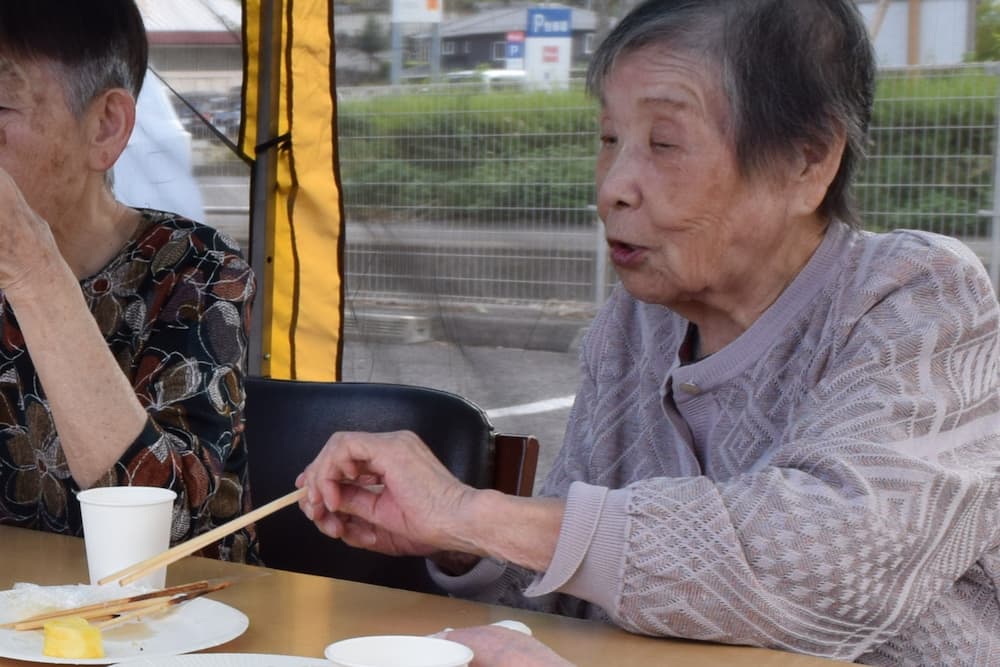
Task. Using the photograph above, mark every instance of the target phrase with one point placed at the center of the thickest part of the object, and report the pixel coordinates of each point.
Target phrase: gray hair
(94, 46)
(794, 72)
(84, 81)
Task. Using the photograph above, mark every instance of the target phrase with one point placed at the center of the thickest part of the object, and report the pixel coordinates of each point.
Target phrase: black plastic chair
(288, 422)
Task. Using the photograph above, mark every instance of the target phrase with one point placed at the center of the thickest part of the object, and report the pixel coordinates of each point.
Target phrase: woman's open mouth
(625, 255)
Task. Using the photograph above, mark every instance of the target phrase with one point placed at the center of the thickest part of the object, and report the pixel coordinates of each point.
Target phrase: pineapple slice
(72, 637)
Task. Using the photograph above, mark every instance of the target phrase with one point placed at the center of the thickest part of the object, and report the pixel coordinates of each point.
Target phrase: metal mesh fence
(465, 194)
(469, 221)
(462, 195)
(933, 151)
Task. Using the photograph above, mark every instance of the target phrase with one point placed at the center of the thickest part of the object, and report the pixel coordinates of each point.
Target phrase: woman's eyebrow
(675, 103)
(664, 99)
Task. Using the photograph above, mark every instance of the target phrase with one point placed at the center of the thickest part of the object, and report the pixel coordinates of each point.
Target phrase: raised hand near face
(27, 247)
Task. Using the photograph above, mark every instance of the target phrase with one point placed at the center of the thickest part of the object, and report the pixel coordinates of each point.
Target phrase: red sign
(550, 54)
(515, 36)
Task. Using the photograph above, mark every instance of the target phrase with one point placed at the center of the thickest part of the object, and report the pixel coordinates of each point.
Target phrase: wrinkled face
(41, 141)
(684, 227)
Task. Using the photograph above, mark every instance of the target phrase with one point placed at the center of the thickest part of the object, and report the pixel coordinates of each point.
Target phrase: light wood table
(298, 614)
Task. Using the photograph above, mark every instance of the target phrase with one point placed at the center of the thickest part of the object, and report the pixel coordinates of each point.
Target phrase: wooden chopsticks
(134, 605)
(160, 604)
(142, 568)
(155, 606)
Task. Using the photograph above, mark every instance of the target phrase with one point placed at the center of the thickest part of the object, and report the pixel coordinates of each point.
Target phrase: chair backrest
(288, 422)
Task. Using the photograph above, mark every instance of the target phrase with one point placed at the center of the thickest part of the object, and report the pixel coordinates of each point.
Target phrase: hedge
(486, 156)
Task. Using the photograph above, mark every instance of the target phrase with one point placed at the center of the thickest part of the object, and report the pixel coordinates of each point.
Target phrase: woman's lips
(625, 255)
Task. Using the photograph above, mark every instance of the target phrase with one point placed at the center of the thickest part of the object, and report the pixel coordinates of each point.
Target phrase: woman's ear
(815, 169)
(109, 121)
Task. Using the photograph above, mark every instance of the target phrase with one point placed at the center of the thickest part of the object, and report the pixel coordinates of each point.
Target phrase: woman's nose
(618, 181)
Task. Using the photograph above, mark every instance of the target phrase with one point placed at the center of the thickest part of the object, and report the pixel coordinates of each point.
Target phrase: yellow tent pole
(296, 237)
(262, 62)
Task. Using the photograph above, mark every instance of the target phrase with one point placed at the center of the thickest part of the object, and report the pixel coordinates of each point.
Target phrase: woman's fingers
(328, 470)
(359, 533)
(331, 525)
(358, 501)
(400, 493)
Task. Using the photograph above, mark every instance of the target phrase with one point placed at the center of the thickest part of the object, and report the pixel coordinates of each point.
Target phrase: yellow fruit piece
(72, 637)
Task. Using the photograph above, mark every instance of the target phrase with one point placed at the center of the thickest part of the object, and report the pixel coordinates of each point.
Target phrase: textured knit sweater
(828, 483)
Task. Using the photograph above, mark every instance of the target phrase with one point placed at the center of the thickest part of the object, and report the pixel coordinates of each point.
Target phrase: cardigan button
(690, 388)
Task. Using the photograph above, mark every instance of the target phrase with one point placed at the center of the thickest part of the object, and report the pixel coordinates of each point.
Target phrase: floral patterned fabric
(174, 307)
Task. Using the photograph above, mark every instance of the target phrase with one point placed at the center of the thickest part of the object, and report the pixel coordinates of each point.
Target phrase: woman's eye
(608, 140)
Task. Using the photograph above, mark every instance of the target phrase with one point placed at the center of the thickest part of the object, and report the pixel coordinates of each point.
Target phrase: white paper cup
(398, 651)
(123, 525)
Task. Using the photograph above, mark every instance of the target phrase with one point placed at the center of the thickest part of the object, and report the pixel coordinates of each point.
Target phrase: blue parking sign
(515, 50)
(549, 22)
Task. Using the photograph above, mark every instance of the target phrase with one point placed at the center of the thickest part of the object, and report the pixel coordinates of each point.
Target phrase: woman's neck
(722, 320)
(91, 236)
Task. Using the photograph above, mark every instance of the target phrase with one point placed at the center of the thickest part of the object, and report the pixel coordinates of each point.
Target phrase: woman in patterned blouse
(787, 430)
(122, 332)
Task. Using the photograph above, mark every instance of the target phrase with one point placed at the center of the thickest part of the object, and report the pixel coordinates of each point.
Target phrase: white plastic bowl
(398, 651)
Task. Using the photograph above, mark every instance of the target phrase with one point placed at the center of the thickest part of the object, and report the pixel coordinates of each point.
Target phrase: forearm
(511, 528)
(95, 409)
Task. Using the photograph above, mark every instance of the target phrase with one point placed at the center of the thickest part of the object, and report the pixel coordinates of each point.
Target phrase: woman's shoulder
(912, 257)
(916, 243)
(910, 274)
(170, 244)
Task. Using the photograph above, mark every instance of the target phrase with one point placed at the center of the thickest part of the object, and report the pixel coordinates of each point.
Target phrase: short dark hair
(793, 71)
(96, 44)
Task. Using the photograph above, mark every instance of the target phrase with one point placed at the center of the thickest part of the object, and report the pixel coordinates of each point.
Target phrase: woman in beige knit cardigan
(788, 430)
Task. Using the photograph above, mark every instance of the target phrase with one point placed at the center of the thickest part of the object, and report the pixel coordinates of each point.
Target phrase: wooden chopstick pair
(142, 568)
(158, 605)
(112, 611)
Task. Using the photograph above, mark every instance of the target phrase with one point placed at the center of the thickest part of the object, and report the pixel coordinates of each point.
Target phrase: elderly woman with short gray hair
(123, 331)
(788, 430)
